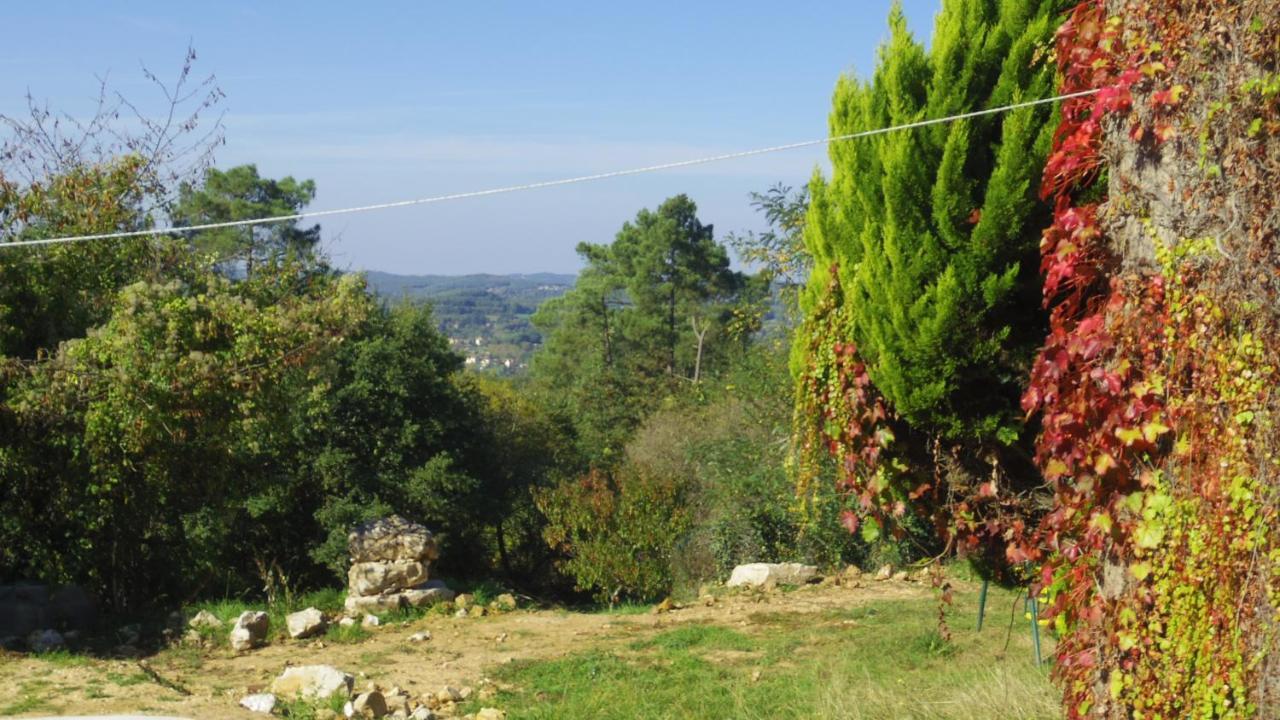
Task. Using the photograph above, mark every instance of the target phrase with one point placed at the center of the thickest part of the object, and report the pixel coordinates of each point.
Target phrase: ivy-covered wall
(1157, 386)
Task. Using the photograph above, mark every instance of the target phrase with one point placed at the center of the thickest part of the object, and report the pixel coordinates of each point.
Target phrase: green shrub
(618, 530)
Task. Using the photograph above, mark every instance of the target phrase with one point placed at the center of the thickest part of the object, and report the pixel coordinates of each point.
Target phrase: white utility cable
(547, 183)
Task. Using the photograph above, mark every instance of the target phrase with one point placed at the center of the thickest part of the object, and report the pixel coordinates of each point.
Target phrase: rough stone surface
(391, 539)
(259, 703)
(423, 597)
(370, 621)
(491, 714)
(370, 704)
(305, 623)
(44, 640)
(761, 574)
(373, 578)
(884, 573)
(506, 602)
(422, 713)
(464, 601)
(250, 630)
(357, 605)
(313, 682)
(204, 619)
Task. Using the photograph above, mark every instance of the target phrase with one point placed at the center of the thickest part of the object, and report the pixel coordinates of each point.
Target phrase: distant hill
(486, 317)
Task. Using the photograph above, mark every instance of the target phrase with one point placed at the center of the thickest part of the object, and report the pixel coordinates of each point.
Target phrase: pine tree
(934, 231)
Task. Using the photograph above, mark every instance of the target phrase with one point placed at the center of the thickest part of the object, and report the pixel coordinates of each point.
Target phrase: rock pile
(390, 564)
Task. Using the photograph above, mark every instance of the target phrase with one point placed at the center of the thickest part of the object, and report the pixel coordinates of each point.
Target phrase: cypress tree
(934, 232)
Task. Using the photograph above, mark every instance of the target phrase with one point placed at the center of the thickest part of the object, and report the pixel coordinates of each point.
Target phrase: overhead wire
(546, 183)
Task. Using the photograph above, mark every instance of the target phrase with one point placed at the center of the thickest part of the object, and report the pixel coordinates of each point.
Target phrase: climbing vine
(1154, 385)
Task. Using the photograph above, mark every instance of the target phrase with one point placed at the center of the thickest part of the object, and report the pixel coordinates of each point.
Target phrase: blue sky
(385, 101)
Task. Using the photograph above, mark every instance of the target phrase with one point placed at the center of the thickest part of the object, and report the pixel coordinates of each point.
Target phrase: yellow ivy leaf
(1104, 463)
(1128, 436)
(1153, 430)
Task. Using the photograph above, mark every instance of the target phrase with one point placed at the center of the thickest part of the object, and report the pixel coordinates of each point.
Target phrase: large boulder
(305, 623)
(374, 578)
(250, 630)
(765, 574)
(391, 539)
(313, 682)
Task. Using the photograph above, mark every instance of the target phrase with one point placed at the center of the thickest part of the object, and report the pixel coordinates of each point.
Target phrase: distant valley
(487, 318)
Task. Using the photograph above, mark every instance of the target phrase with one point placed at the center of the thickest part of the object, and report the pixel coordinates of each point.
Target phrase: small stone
(370, 621)
(755, 675)
(370, 704)
(42, 641)
(665, 606)
(397, 702)
(464, 601)
(884, 573)
(259, 703)
(204, 619)
(506, 602)
(465, 692)
(420, 637)
(502, 637)
(448, 694)
(460, 613)
(901, 576)
(421, 713)
(707, 600)
(491, 714)
(346, 622)
(250, 630)
(305, 623)
(478, 611)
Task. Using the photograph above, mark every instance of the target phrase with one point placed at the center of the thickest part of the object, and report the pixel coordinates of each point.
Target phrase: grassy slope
(882, 660)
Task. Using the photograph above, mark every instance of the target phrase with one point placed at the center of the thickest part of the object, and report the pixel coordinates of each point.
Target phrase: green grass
(328, 600)
(882, 660)
(28, 704)
(300, 709)
(65, 658)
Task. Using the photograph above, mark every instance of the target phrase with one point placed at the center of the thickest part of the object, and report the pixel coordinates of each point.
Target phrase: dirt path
(459, 653)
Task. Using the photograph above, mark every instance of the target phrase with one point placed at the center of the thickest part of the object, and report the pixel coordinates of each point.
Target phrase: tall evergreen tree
(934, 231)
(922, 310)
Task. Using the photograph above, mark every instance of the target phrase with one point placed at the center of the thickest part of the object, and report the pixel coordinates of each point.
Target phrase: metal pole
(1035, 623)
(982, 603)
